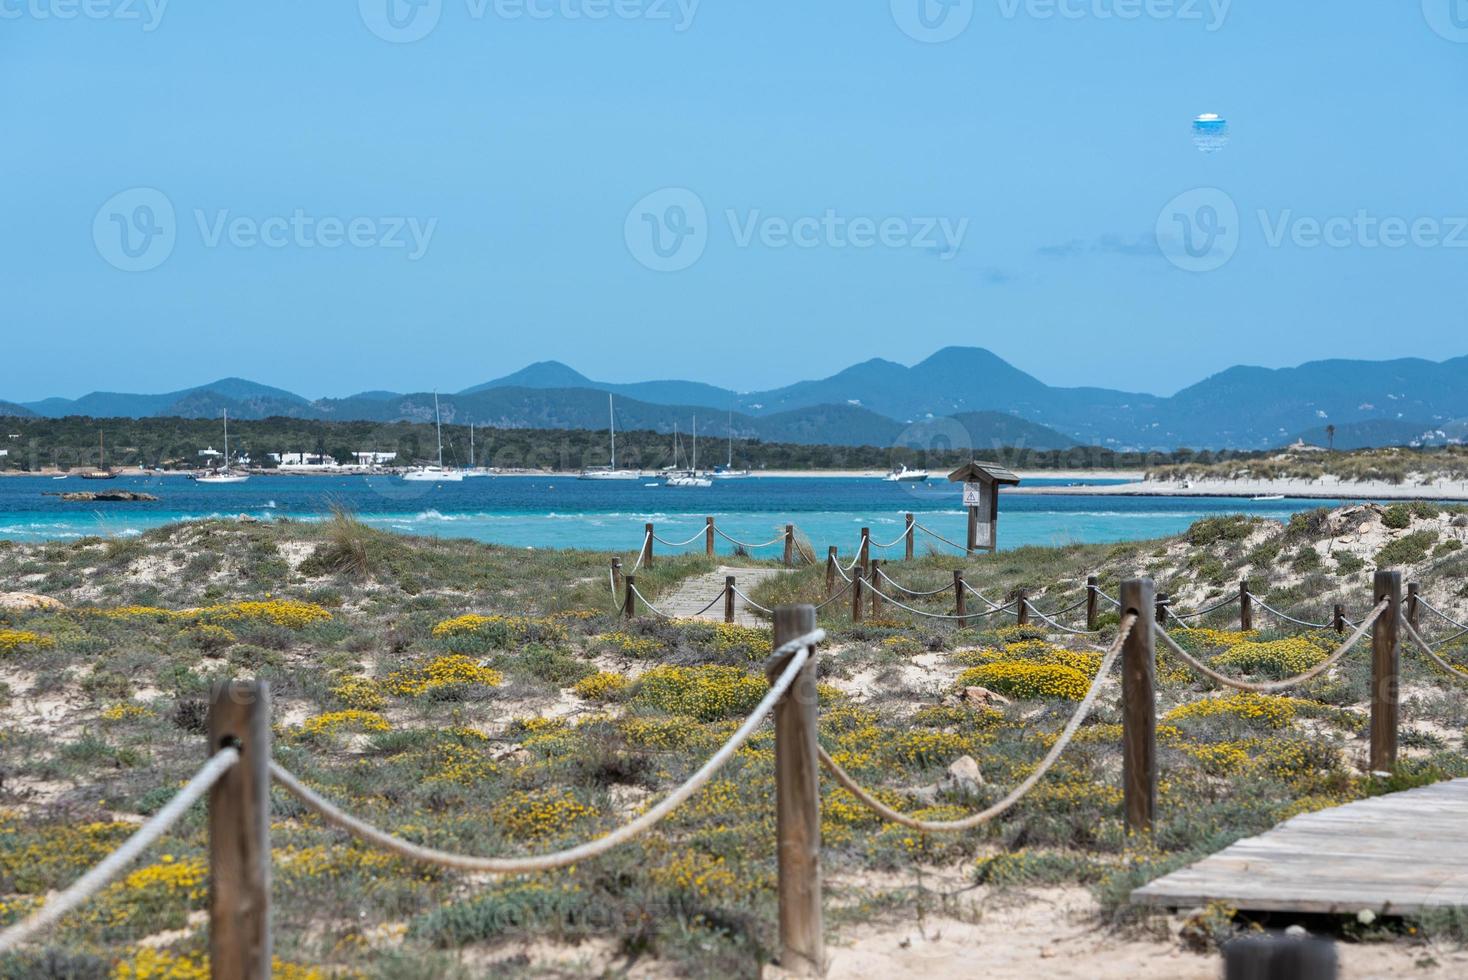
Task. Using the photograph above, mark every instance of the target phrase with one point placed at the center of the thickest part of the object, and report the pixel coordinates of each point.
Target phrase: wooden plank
(1398, 854)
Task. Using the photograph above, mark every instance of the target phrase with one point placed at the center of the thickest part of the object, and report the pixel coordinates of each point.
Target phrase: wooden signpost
(981, 483)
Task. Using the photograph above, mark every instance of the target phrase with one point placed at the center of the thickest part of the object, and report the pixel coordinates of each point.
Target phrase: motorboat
(904, 475)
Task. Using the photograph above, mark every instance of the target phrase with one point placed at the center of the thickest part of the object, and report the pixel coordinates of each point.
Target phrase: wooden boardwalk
(1396, 854)
(696, 592)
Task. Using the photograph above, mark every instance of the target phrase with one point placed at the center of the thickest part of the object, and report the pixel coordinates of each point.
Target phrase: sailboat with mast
(435, 474)
(224, 474)
(689, 478)
(610, 472)
(103, 471)
(473, 470)
(727, 470)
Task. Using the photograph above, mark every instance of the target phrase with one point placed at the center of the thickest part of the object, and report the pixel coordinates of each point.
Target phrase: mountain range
(879, 402)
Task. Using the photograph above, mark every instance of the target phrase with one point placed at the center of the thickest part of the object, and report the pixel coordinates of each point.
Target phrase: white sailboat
(691, 477)
(727, 471)
(473, 470)
(610, 472)
(904, 475)
(435, 474)
(223, 474)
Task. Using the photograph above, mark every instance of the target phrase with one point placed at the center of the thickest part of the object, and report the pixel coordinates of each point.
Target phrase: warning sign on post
(973, 494)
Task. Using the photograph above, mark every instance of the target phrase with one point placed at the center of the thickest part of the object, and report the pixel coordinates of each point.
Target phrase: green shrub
(1211, 530)
(1407, 550)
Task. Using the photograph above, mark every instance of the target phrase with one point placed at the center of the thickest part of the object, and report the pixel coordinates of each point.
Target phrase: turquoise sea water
(563, 512)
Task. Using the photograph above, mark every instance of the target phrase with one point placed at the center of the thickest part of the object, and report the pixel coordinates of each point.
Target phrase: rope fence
(1019, 792)
(1431, 653)
(798, 650)
(238, 773)
(1267, 687)
(102, 874)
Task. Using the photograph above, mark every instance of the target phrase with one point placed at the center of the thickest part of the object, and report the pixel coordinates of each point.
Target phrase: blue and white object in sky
(1210, 132)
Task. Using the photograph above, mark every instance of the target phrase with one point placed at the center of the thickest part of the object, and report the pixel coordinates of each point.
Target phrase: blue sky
(443, 211)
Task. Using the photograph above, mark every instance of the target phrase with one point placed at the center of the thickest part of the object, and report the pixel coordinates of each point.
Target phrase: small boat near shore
(904, 475)
(1268, 497)
(224, 474)
(689, 477)
(610, 472)
(435, 474)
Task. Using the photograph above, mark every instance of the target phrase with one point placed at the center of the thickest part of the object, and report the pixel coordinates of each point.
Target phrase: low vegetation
(1396, 466)
(488, 700)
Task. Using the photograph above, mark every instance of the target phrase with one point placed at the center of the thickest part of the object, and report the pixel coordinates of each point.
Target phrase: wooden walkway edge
(694, 593)
(1397, 854)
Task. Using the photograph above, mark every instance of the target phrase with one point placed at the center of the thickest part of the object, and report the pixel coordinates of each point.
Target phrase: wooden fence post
(729, 599)
(1162, 600)
(910, 535)
(1139, 706)
(798, 806)
(1269, 957)
(616, 577)
(866, 549)
(1246, 607)
(789, 545)
(960, 601)
(1384, 656)
(876, 599)
(708, 536)
(830, 571)
(647, 545)
(629, 604)
(1413, 599)
(1092, 597)
(856, 597)
(1339, 619)
(1022, 607)
(239, 834)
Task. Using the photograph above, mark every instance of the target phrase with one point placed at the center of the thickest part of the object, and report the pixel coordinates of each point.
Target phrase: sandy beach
(1325, 488)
